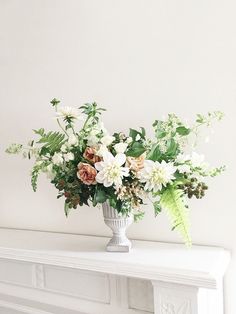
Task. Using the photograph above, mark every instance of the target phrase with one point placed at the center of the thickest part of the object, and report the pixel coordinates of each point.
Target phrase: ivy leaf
(136, 150)
(182, 130)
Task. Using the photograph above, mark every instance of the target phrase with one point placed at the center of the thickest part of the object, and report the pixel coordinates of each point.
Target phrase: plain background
(139, 59)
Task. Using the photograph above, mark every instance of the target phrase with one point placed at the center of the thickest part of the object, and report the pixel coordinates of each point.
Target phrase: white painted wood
(140, 294)
(200, 266)
(51, 272)
(77, 283)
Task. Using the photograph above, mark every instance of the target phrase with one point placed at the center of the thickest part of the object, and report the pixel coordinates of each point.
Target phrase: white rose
(57, 159)
(120, 148)
(107, 140)
(72, 140)
(69, 156)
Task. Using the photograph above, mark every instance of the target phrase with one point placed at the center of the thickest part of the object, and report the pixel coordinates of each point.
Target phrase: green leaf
(136, 150)
(133, 133)
(138, 216)
(99, 196)
(66, 209)
(143, 132)
(172, 201)
(172, 148)
(155, 153)
(157, 207)
(182, 130)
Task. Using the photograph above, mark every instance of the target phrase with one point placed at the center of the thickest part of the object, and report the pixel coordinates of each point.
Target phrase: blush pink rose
(86, 173)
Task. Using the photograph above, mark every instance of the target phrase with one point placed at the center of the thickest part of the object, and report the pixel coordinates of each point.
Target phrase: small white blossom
(69, 156)
(155, 174)
(64, 148)
(111, 170)
(72, 140)
(57, 159)
(138, 137)
(129, 140)
(120, 148)
(92, 140)
(184, 168)
(181, 158)
(107, 140)
(49, 172)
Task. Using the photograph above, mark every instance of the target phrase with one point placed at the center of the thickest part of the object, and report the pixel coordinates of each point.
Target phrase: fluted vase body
(118, 224)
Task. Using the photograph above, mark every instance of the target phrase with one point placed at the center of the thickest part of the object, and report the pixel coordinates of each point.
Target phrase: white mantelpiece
(53, 273)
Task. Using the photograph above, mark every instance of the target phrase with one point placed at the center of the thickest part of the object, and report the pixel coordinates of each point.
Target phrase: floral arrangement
(90, 166)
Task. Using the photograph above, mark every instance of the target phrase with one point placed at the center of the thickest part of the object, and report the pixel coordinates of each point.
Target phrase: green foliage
(208, 119)
(172, 149)
(182, 130)
(36, 170)
(52, 141)
(133, 133)
(157, 207)
(99, 195)
(217, 171)
(136, 149)
(172, 201)
(92, 110)
(155, 153)
(138, 216)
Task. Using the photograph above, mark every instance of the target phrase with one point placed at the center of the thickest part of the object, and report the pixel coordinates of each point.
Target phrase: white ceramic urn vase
(118, 224)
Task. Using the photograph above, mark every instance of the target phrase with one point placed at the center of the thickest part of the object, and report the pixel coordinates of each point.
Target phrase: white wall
(139, 59)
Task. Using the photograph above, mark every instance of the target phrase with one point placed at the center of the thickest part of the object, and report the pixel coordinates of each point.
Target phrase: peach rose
(136, 163)
(90, 155)
(86, 173)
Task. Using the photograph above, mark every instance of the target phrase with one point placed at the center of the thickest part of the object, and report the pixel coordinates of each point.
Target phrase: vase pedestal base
(113, 246)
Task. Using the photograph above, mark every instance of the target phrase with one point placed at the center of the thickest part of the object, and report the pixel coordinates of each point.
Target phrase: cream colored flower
(69, 156)
(107, 140)
(111, 170)
(57, 159)
(120, 148)
(155, 174)
(68, 113)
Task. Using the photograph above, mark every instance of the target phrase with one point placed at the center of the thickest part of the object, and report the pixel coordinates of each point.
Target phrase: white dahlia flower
(156, 174)
(110, 170)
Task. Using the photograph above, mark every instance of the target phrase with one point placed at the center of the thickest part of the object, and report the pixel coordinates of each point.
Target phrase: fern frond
(52, 140)
(172, 201)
